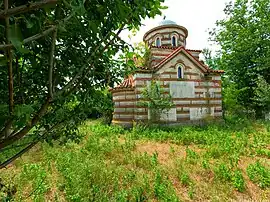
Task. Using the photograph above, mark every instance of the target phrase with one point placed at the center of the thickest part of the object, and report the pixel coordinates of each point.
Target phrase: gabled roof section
(174, 48)
(203, 67)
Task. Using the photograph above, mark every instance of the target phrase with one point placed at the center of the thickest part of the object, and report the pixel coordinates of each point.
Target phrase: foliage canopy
(244, 37)
(56, 54)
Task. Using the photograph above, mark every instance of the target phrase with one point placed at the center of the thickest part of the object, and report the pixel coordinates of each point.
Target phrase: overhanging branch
(51, 63)
(25, 8)
(32, 38)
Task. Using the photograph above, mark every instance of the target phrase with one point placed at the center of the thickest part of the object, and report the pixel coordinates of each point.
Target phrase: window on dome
(158, 42)
(173, 41)
(180, 72)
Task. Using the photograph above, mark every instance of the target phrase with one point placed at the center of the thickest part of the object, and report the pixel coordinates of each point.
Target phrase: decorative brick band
(170, 73)
(182, 112)
(218, 110)
(124, 100)
(124, 113)
(192, 74)
(143, 79)
(207, 87)
(143, 86)
(196, 99)
(124, 119)
(123, 93)
(198, 105)
(183, 119)
(188, 80)
(116, 90)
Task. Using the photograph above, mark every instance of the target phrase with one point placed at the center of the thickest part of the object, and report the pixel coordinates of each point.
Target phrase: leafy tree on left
(54, 56)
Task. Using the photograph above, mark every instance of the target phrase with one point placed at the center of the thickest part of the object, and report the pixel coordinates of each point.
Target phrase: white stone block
(182, 89)
(215, 102)
(217, 95)
(140, 110)
(200, 113)
(180, 116)
(169, 115)
(186, 109)
(180, 102)
(165, 76)
(131, 110)
(141, 117)
(129, 97)
(119, 110)
(201, 90)
(218, 114)
(142, 75)
(200, 102)
(126, 116)
(119, 97)
(126, 103)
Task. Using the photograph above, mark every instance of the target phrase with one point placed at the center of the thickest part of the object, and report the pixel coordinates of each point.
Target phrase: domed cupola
(166, 34)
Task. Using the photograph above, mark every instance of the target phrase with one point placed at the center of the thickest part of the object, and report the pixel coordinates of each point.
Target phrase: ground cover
(207, 163)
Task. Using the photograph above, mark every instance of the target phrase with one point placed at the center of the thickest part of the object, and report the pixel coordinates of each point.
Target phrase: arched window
(173, 41)
(158, 42)
(180, 72)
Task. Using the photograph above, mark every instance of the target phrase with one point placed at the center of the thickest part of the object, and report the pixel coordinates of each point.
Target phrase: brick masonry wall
(165, 35)
(206, 99)
(124, 102)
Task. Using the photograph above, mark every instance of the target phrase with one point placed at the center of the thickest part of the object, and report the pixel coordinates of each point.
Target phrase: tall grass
(219, 162)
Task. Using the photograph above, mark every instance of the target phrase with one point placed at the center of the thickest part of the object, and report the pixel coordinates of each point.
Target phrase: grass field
(210, 163)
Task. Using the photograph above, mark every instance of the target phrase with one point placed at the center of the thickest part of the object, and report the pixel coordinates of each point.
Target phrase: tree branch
(50, 87)
(35, 141)
(48, 101)
(28, 127)
(32, 38)
(4, 164)
(25, 8)
(10, 72)
(77, 76)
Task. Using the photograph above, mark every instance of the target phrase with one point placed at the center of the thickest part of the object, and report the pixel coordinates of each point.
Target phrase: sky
(198, 16)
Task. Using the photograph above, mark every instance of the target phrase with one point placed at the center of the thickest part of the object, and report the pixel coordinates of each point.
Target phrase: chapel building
(194, 87)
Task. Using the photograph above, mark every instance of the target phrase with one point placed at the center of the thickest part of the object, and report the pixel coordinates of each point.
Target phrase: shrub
(223, 172)
(156, 100)
(238, 181)
(259, 174)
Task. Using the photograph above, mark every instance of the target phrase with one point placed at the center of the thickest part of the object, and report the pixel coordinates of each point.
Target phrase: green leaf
(3, 61)
(29, 24)
(15, 36)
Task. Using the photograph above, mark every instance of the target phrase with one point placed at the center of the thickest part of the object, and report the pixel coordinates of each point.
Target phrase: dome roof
(167, 22)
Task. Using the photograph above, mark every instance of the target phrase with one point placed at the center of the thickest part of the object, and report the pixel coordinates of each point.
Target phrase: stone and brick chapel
(194, 87)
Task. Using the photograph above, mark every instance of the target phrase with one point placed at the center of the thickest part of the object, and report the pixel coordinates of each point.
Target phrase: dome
(167, 22)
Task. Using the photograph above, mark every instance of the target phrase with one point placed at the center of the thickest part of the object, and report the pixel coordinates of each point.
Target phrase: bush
(238, 180)
(259, 174)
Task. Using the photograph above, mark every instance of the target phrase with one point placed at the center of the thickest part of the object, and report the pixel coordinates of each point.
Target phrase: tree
(157, 100)
(262, 94)
(55, 55)
(245, 47)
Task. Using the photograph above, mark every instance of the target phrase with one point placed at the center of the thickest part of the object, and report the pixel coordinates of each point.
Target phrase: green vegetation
(58, 58)
(214, 162)
(157, 101)
(243, 37)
